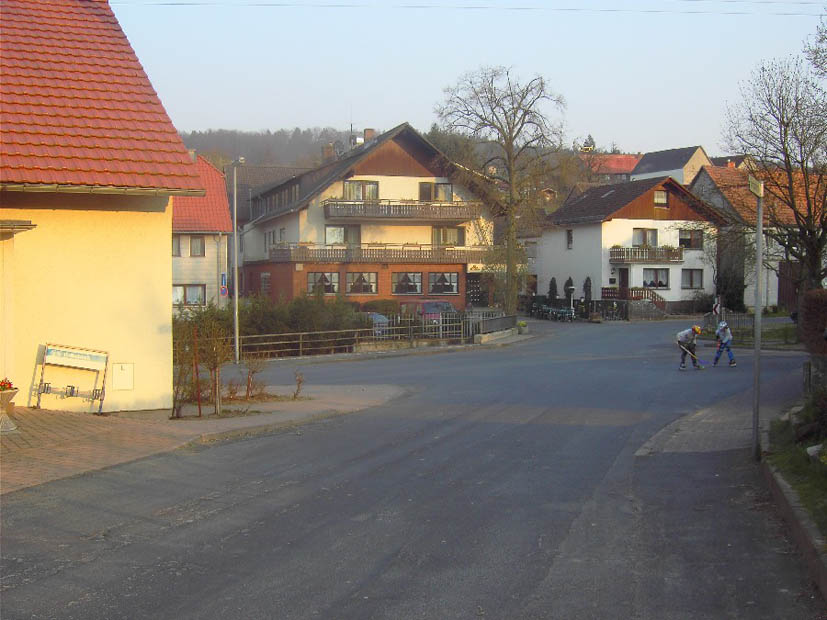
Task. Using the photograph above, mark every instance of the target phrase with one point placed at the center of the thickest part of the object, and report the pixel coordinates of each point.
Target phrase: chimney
(328, 153)
(370, 134)
(193, 155)
(730, 163)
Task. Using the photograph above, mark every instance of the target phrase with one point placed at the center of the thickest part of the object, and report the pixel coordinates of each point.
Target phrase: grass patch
(807, 477)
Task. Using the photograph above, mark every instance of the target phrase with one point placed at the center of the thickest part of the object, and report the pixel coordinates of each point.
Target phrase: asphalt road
(503, 485)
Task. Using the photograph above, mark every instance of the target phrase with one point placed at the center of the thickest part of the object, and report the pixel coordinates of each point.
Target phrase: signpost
(757, 188)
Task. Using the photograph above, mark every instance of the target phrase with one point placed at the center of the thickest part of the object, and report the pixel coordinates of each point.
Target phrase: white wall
(676, 174)
(205, 269)
(554, 259)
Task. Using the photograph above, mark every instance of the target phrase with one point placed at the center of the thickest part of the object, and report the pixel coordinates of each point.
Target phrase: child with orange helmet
(686, 343)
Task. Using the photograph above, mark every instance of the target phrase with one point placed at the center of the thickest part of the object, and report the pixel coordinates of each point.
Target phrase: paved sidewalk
(49, 445)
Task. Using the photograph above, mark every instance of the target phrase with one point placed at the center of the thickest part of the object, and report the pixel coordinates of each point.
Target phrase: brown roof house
(727, 190)
(635, 240)
(384, 220)
(89, 161)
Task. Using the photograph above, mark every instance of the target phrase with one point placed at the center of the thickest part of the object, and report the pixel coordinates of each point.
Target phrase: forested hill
(284, 147)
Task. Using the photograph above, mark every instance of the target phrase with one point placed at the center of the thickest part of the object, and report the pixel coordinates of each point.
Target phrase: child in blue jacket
(724, 337)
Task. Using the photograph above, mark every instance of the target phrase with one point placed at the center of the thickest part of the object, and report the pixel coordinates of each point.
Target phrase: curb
(805, 533)
(263, 429)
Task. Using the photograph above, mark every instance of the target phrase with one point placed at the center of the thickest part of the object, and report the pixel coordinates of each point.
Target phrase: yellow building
(89, 161)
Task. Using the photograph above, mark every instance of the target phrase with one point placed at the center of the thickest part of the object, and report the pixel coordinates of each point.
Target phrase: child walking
(724, 337)
(686, 343)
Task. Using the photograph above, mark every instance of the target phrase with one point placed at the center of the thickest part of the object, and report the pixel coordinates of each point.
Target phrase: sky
(644, 75)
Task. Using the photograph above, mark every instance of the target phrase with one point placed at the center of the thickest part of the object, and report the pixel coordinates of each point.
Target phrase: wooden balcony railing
(634, 293)
(379, 253)
(646, 255)
(401, 210)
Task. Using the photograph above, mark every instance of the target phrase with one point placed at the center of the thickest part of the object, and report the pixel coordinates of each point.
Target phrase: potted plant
(7, 393)
(522, 327)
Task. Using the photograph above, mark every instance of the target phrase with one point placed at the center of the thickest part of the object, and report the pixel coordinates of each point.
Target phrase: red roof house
(89, 161)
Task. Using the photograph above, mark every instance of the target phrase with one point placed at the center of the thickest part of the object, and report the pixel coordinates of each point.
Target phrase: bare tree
(508, 118)
(781, 123)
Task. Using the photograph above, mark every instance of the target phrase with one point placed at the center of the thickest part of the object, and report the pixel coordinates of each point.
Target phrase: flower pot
(522, 329)
(6, 396)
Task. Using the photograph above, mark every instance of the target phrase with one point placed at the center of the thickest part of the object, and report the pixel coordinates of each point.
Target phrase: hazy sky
(644, 74)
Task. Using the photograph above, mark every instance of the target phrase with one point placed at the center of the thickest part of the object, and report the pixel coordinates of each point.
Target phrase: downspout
(218, 270)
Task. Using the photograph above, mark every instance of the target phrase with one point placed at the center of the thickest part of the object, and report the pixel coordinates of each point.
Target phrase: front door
(623, 274)
(473, 291)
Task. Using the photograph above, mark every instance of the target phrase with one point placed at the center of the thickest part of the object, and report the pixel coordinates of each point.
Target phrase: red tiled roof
(207, 213)
(77, 107)
(734, 185)
(610, 163)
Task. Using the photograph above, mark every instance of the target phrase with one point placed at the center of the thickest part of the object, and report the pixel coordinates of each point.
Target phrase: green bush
(813, 320)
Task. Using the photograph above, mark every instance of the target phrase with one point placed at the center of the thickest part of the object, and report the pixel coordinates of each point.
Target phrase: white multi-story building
(634, 240)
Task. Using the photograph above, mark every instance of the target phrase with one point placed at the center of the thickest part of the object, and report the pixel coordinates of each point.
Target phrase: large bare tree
(816, 49)
(781, 123)
(509, 119)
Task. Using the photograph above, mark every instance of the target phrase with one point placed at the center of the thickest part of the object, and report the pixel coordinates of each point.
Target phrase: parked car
(427, 309)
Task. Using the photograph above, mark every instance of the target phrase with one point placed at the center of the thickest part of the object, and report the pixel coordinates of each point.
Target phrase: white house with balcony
(386, 220)
(636, 240)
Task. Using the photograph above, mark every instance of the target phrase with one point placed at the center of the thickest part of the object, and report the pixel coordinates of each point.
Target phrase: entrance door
(473, 291)
(623, 274)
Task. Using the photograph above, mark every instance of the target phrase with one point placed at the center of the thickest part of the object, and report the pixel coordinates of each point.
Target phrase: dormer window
(661, 198)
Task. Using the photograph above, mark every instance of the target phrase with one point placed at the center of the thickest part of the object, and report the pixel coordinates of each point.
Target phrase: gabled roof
(78, 110)
(662, 161)
(610, 163)
(313, 182)
(207, 213)
(596, 204)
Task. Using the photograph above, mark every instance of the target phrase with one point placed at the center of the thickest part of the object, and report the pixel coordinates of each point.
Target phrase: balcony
(645, 254)
(378, 253)
(401, 210)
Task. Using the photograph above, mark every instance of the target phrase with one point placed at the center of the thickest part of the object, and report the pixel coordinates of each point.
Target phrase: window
(176, 245)
(443, 283)
(403, 283)
(196, 245)
(282, 235)
(569, 239)
(189, 294)
(361, 283)
(264, 283)
(361, 190)
(691, 239)
(448, 235)
(645, 237)
(661, 198)
(326, 282)
(692, 278)
(338, 235)
(436, 192)
(656, 278)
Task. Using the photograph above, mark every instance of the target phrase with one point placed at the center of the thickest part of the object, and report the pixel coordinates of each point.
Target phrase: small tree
(216, 349)
(552, 289)
(587, 291)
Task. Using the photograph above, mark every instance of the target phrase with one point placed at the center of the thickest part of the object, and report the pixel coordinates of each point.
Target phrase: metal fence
(447, 327)
(737, 321)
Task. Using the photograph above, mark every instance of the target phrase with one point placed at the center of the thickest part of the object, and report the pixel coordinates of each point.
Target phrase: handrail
(402, 209)
(646, 254)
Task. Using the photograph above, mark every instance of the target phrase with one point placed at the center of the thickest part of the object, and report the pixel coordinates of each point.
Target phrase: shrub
(552, 289)
(388, 307)
(813, 320)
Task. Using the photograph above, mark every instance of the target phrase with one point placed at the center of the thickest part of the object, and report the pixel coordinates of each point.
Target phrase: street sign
(223, 291)
(716, 308)
(756, 186)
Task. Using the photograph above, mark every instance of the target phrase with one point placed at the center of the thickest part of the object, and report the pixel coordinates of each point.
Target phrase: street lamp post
(238, 162)
(757, 188)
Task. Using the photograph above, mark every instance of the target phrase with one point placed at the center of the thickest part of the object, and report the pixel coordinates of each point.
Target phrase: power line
(497, 7)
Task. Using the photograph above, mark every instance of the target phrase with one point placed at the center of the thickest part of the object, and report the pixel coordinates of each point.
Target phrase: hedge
(813, 320)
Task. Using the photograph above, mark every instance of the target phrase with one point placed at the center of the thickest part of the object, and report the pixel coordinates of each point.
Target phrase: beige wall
(205, 269)
(95, 273)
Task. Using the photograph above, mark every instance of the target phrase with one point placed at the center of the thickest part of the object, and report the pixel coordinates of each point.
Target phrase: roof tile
(78, 108)
(207, 213)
